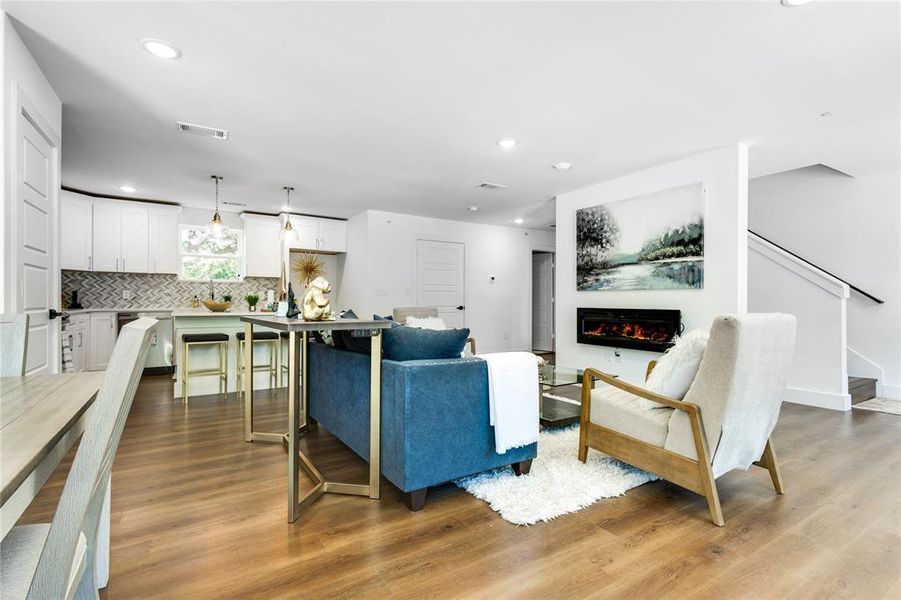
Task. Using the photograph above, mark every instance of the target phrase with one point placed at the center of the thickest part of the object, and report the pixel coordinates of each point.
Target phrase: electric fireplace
(636, 328)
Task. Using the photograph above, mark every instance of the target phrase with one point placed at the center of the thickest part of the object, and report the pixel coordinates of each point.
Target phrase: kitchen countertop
(204, 312)
(82, 311)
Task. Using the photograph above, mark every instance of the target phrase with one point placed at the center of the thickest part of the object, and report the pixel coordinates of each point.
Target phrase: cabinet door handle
(117, 264)
(80, 339)
(90, 263)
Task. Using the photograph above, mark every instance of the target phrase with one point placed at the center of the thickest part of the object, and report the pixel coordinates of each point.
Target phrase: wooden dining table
(41, 417)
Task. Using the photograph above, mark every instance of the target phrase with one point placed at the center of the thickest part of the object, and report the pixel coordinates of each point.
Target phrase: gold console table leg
(298, 460)
(249, 434)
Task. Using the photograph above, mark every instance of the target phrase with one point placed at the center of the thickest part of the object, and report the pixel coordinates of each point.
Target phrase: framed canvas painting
(650, 242)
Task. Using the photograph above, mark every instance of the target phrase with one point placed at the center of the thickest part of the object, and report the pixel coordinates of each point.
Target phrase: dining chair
(56, 560)
(13, 344)
(724, 422)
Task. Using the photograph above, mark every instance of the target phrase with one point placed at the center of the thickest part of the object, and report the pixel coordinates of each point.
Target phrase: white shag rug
(558, 483)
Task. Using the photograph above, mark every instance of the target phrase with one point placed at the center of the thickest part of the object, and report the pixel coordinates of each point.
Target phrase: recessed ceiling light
(791, 3)
(473, 208)
(128, 189)
(159, 48)
(519, 220)
(827, 114)
(506, 143)
(562, 166)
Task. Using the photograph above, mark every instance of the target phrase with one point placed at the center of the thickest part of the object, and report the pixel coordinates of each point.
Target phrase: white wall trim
(797, 266)
(819, 399)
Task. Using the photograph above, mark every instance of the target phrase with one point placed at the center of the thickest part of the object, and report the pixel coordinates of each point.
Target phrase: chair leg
(712, 495)
(768, 462)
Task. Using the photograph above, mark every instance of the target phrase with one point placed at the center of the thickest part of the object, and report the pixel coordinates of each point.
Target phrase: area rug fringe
(558, 483)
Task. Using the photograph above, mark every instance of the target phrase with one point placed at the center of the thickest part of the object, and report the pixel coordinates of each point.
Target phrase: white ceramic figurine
(315, 305)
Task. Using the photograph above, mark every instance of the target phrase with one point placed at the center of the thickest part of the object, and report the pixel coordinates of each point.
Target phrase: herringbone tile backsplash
(104, 290)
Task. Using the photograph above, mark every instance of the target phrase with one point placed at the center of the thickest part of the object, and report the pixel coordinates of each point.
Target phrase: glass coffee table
(565, 409)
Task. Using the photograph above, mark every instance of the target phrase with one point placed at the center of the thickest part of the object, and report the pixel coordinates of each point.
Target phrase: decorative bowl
(215, 306)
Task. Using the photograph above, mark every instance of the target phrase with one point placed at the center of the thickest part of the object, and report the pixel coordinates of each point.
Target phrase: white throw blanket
(512, 398)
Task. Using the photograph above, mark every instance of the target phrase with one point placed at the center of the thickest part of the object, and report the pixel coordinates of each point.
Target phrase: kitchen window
(203, 257)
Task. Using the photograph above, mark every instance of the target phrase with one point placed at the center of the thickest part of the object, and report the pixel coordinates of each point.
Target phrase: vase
(252, 307)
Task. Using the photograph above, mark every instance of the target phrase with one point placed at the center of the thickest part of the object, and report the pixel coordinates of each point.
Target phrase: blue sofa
(434, 417)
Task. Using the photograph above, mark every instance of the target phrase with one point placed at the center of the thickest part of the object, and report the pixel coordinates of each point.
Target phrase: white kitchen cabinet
(262, 248)
(76, 330)
(332, 236)
(163, 239)
(107, 238)
(324, 235)
(307, 229)
(76, 219)
(135, 238)
(102, 340)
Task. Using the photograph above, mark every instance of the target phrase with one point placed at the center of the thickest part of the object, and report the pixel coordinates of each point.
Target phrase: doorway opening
(543, 327)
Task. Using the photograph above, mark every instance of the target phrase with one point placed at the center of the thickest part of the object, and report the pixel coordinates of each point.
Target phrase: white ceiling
(398, 106)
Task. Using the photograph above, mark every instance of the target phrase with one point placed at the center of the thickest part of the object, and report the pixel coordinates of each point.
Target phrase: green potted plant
(252, 300)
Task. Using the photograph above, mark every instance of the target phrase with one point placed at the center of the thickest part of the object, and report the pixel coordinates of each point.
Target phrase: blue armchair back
(434, 415)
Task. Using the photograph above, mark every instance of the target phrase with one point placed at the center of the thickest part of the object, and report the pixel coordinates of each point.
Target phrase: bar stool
(204, 339)
(269, 338)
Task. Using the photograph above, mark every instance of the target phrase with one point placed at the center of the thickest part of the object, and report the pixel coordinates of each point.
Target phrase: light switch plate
(126, 294)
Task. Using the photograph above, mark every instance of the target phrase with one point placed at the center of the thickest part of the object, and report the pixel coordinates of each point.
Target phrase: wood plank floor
(198, 513)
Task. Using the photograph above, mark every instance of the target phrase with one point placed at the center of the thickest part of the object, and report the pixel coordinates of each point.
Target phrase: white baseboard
(818, 399)
(891, 392)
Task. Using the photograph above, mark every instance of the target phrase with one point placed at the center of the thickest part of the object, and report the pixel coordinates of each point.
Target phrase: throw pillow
(434, 323)
(346, 340)
(411, 343)
(677, 368)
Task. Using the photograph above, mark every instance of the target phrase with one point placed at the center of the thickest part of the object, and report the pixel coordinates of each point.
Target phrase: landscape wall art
(650, 242)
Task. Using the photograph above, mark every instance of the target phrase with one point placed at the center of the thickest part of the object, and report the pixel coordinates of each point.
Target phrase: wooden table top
(286, 324)
(35, 412)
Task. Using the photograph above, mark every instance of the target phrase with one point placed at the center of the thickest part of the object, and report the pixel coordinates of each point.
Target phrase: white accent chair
(723, 423)
(13, 344)
(56, 560)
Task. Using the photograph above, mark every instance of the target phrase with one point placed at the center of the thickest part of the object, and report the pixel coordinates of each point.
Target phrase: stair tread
(855, 381)
(861, 389)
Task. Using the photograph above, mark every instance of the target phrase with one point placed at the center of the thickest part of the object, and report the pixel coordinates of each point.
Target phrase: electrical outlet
(617, 357)
(126, 294)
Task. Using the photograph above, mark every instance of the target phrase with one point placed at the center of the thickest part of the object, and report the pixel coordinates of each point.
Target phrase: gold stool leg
(184, 374)
(239, 393)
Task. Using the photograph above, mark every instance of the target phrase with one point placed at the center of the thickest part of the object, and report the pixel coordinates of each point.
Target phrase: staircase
(861, 388)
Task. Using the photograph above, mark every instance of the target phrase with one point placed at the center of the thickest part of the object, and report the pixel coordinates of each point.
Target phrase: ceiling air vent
(219, 134)
(487, 185)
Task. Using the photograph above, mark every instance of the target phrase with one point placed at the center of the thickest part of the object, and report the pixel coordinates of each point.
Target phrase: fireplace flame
(633, 331)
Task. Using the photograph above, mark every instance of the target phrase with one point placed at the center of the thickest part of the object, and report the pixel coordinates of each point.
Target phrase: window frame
(181, 254)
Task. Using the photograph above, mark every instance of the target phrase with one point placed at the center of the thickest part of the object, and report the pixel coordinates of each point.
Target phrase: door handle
(461, 307)
(53, 314)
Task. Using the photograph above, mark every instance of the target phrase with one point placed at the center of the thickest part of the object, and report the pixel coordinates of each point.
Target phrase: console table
(298, 340)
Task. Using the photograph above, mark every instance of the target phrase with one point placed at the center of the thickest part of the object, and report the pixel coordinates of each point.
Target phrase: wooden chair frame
(694, 475)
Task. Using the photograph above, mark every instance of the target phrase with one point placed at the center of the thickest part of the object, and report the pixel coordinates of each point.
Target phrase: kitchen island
(203, 320)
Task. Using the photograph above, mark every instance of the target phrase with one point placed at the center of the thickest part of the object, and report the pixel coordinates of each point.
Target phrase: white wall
(381, 259)
(779, 282)
(20, 72)
(724, 173)
(851, 227)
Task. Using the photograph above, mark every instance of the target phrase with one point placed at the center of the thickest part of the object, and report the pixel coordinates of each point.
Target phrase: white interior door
(439, 279)
(36, 204)
(543, 301)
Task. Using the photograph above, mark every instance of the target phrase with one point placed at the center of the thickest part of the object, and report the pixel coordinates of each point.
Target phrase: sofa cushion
(409, 343)
(620, 411)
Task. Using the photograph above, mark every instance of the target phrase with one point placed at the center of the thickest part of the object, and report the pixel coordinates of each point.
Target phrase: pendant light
(216, 226)
(288, 233)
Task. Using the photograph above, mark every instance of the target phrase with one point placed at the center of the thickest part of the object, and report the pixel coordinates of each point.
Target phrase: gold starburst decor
(307, 267)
